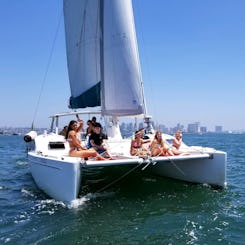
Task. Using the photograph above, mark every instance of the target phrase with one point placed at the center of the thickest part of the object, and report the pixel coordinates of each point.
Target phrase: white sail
(122, 76)
(102, 53)
(83, 52)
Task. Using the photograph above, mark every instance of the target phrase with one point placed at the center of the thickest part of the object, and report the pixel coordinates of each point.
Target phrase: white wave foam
(78, 202)
(27, 192)
(21, 163)
(82, 200)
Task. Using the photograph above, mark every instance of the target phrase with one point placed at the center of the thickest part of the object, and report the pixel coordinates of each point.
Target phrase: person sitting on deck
(159, 147)
(137, 145)
(96, 141)
(76, 148)
(143, 135)
(176, 144)
(63, 131)
(177, 140)
(94, 120)
(89, 129)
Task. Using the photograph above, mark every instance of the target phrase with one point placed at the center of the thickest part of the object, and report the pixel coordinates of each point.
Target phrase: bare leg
(178, 152)
(86, 153)
(157, 152)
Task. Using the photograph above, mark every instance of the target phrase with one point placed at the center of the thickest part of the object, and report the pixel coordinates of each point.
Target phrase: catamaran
(105, 78)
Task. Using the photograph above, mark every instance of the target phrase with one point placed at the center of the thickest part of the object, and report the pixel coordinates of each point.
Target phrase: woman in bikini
(137, 148)
(176, 144)
(76, 148)
(159, 147)
(177, 140)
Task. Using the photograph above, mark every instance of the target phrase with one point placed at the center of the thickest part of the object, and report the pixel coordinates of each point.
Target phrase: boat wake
(77, 203)
(50, 205)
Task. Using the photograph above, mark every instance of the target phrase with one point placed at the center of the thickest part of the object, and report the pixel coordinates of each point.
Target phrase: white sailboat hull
(206, 168)
(59, 175)
(58, 178)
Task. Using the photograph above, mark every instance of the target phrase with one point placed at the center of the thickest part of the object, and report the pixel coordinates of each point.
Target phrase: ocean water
(138, 209)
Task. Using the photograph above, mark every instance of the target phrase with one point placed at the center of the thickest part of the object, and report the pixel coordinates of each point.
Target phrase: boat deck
(136, 160)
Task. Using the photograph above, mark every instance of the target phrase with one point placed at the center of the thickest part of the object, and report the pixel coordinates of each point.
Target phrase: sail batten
(101, 46)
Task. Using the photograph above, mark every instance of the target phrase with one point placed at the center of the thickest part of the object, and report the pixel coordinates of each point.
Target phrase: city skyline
(85, 117)
(131, 126)
(195, 127)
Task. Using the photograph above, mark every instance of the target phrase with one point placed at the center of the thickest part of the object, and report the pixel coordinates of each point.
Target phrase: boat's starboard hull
(206, 168)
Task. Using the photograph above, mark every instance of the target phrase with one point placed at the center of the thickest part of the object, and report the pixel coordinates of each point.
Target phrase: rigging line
(121, 177)
(144, 52)
(171, 161)
(47, 69)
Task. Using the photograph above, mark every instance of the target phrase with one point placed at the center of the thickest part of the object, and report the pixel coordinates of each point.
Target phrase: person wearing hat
(97, 140)
(137, 147)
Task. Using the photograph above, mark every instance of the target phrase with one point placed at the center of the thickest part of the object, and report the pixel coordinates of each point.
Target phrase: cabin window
(56, 145)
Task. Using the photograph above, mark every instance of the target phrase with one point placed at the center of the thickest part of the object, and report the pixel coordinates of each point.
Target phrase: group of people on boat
(157, 147)
(97, 148)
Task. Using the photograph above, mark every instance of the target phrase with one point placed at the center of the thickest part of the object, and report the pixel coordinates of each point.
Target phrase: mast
(102, 75)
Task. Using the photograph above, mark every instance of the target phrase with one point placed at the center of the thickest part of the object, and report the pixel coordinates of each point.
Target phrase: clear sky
(192, 55)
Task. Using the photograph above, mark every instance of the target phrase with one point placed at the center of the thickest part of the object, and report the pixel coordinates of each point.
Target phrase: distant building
(193, 127)
(218, 129)
(203, 129)
(178, 127)
(162, 128)
(141, 125)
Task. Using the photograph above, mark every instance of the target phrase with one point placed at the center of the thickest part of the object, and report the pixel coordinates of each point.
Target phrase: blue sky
(192, 56)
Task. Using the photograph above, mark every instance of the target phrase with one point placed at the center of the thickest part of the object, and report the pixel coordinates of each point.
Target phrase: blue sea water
(137, 210)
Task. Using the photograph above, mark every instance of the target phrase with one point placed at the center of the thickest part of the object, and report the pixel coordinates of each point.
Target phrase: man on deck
(97, 140)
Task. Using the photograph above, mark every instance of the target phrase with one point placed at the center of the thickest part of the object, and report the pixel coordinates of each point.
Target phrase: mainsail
(102, 56)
